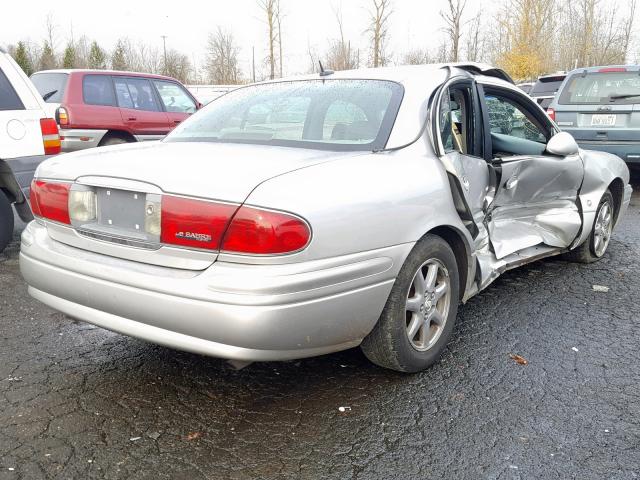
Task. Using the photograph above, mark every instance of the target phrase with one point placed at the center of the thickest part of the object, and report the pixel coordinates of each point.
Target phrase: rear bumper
(79, 139)
(627, 151)
(241, 312)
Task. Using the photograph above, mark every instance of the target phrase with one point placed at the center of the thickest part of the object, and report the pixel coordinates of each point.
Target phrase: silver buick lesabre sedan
(305, 216)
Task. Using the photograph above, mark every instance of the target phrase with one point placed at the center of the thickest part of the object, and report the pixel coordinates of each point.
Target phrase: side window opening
(457, 121)
(174, 98)
(98, 90)
(136, 93)
(9, 99)
(514, 129)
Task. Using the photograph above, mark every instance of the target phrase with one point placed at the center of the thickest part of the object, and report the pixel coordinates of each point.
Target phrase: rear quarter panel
(363, 203)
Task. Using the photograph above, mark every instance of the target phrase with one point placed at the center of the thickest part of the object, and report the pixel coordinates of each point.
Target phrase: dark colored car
(545, 88)
(600, 107)
(98, 107)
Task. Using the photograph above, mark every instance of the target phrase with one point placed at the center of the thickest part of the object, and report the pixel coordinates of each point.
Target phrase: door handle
(511, 183)
(132, 119)
(177, 121)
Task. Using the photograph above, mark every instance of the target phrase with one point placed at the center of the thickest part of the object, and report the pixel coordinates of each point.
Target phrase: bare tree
(270, 8)
(628, 26)
(178, 66)
(475, 42)
(51, 27)
(593, 32)
(312, 52)
(417, 56)
(222, 58)
(340, 55)
(378, 30)
(453, 20)
(83, 48)
(524, 40)
(279, 23)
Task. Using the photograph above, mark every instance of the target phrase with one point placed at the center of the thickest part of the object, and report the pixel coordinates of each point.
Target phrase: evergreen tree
(69, 59)
(119, 59)
(97, 57)
(21, 57)
(47, 58)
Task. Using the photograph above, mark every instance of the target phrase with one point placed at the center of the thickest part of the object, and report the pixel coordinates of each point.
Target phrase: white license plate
(603, 120)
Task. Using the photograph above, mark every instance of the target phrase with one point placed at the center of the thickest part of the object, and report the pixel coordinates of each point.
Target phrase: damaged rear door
(535, 193)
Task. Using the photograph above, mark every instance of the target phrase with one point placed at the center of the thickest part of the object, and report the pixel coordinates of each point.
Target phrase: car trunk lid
(130, 181)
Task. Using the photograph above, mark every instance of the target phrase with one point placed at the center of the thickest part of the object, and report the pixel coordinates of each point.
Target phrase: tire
(591, 250)
(6, 221)
(389, 344)
(113, 141)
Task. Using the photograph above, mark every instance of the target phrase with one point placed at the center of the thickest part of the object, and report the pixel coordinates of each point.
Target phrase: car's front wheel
(420, 313)
(594, 248)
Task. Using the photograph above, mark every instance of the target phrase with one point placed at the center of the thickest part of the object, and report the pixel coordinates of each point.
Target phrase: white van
(27, 136)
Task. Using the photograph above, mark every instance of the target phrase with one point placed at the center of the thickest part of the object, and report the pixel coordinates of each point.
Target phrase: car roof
(402, 73)
(552, 77)
(105, 72)
(629, 68)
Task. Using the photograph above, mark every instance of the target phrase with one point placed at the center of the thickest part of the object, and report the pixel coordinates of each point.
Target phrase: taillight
(50, 200)
(184, 222)
(50, 136)
(551, 113)
(62, 116)
(193, 223)
(612, 70)
(256, 231)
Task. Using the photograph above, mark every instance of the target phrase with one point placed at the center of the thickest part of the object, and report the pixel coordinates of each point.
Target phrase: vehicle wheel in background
(112, 140)
(6, 221)
(420, 313)
(594, 248)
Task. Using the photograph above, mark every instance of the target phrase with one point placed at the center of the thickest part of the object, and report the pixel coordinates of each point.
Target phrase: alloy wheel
(602, 228)
(427, 305)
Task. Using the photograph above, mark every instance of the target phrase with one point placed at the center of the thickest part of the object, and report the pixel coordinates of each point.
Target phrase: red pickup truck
(100, 107)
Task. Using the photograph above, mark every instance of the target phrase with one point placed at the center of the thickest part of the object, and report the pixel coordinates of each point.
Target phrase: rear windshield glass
(546, 87)
(323, 114)
(598, 88)
(8, 97)
(50, 85)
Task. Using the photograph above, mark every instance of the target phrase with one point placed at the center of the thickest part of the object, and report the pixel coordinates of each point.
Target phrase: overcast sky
(187, 24)
(414, 23)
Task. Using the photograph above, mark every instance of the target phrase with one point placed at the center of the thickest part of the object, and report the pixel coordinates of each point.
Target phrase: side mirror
(562, 144)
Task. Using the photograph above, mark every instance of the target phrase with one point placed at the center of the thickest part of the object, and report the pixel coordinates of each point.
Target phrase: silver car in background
(600, 107)
(309, 215)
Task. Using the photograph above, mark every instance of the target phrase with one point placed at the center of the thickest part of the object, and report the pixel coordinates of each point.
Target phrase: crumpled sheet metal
(556, 227)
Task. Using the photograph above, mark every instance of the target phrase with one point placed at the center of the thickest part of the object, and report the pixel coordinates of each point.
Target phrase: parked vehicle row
(600, 107)
(315, 214)
(546, 87)
(28, 135)
(96, 107)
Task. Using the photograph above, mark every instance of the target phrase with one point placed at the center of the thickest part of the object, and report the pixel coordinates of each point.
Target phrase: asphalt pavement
(80, 402)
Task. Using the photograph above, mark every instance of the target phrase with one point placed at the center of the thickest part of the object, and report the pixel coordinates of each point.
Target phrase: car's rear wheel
(113, 140)
(6, 221)
(594, 248)
(420, 313)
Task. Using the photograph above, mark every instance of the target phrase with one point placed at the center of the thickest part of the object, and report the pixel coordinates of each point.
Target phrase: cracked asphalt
(80, 402)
